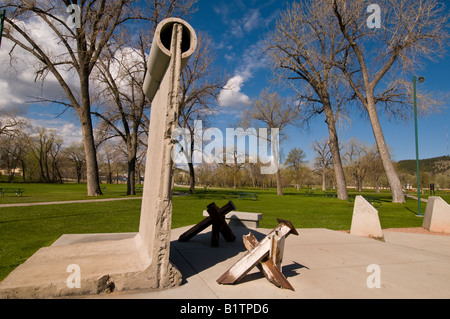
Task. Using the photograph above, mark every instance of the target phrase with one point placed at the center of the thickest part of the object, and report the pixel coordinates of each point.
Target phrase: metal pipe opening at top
(160, 54)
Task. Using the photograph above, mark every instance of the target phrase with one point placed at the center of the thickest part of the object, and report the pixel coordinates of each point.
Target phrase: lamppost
(420, 79)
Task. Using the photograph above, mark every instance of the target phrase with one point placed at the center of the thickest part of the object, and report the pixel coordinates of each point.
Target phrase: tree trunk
(335, 154)
(191, 164)
(191, 178)
(84, 113)
(132, 153)
(394, 182)
(324, 179)
(109, 175)
(78, 168)
(131, 174)
(93, 181)
(279, 188)
(24, 176)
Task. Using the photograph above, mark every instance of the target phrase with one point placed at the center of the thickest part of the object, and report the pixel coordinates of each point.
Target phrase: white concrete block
(250, 220)
(437, 215)
(365, 220)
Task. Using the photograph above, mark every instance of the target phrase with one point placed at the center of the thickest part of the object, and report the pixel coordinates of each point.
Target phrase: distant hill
(435, 165)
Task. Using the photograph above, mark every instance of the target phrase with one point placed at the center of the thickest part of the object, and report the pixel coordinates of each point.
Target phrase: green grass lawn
(23, 230)
(50, 192)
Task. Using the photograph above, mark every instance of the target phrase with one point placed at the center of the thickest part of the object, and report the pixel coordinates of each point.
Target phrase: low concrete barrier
(437, 215)
(365, 220)
(250, 220)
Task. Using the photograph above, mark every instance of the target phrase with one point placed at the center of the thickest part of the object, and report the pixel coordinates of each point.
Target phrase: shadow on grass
(412, 211)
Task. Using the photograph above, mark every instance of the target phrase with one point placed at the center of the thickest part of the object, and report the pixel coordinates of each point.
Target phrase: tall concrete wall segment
(132, 261)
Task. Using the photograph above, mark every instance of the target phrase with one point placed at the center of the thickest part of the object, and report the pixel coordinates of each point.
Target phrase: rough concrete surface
(319, 263)
(365, 220)
(437, 215)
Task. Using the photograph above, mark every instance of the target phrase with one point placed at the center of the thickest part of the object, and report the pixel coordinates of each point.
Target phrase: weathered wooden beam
(205, 223)
(266, 254)
(219, 225)
(246, 263)
(267, 266)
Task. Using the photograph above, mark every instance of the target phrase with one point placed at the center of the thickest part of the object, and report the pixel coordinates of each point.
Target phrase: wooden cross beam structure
(267, 255)
(217, 220)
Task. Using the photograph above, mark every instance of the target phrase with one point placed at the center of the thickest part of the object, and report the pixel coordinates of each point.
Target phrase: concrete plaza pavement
(319, 263)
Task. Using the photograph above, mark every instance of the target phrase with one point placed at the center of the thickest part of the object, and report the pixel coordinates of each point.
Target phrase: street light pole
(421, 79)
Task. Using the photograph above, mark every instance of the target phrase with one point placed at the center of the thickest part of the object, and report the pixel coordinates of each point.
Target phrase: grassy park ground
(23, 230)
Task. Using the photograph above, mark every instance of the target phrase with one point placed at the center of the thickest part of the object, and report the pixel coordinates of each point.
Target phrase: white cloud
(231, 95)
(246, 24)
(252, 20)
(252, 60)
(69, 132)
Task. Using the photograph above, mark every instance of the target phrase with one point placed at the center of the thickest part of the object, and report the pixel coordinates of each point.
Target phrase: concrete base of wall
(100, 263)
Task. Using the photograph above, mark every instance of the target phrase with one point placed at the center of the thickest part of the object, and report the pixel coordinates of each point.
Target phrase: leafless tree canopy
(411, 31)
(304, 48)
(317, 42)
(79, 49)
(200, 87)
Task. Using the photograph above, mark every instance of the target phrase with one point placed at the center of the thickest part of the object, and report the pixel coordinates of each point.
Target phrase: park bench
(17, 191)
(250, 220)
(330, 194)
(374, 201)
(243, 195)
(309, 192)
(138, 189)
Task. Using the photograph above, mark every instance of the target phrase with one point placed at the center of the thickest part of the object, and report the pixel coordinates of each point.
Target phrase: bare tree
(199, 90)
(75, 154)
(8, 155)
(375, 170)
(12, 124)
(121, 73)
(323, 159)
(355, 158)
(273, 112)
(13, 143)
(304, 48)
(98, 22)
(410, 30)
(121, 70)
(295, 161)
(46, 147)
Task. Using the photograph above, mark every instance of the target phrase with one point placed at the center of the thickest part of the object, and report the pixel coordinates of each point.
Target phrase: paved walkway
(319, 263)
(416, 198)
(68, 202)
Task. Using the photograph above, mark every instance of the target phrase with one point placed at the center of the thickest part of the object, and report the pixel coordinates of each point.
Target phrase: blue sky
(238, 27)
